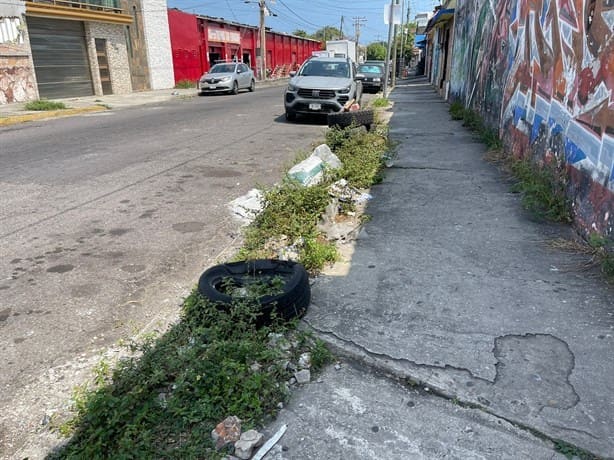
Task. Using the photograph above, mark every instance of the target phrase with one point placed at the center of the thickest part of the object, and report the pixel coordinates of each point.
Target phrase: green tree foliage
(301, 33)
(376, 51)
(327, 33)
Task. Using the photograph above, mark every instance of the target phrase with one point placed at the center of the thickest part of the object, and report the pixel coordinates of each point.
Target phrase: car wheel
(290, 279)
(345, 119)
(290, 116)
(252, 86)
(235, 88)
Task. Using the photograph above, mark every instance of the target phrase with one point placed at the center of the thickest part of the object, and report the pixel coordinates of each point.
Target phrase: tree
(327, 33)
(301, 33)
(376, 51)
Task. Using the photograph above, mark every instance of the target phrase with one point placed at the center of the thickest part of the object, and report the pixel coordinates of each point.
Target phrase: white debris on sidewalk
(248, 206)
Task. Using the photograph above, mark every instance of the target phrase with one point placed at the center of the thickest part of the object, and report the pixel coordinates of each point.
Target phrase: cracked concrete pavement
(454, 287)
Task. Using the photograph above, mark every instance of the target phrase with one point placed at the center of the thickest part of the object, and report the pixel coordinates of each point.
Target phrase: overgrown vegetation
(543, 186)
(44, 104)
(603, 252)
(164, 404)
(185, 84)
(291, 211)
(164, 401)
(380, 102)
(543, 189)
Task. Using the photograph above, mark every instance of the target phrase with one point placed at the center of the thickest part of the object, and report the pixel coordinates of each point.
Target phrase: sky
(307, 15)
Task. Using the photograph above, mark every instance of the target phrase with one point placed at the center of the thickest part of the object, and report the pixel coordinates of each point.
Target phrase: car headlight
(345, 90)
(225, 78)
(377, 79)
(291, 87)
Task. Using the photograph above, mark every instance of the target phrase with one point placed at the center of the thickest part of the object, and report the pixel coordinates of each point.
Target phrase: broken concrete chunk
(245, 446)
(226, 432)
(248, 206)
(304, 361)
(302, 376)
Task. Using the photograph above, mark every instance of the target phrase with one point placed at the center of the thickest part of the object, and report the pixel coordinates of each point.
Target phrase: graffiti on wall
(543, 72)
(17, 82)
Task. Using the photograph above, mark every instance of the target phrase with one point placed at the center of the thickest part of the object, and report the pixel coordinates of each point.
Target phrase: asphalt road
(106, 222)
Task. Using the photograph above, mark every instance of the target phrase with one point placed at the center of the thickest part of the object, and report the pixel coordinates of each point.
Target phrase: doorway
(103, 65)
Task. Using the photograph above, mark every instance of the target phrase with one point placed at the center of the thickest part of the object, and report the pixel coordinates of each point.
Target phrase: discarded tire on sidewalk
(287, 280)
(358, 117)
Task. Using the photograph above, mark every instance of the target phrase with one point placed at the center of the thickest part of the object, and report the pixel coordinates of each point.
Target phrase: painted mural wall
(542, 71)
(17, 80)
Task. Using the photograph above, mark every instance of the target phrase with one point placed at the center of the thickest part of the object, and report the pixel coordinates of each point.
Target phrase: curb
(14, 119)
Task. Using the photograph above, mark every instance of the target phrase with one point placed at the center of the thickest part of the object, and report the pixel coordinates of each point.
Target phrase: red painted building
(198, 42)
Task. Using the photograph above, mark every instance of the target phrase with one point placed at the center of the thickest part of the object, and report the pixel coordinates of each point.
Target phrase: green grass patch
(45, 105)
(543, 189)
(185, 84)
(164, 404)
(380, 102)
(603, 248)
(543, 186)
(457, 110)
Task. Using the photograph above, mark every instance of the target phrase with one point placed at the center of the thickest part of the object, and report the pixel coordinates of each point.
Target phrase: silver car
(322, 85)
(227, 77)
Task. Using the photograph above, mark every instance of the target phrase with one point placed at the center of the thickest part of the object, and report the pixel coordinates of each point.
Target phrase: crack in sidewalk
(409, 380)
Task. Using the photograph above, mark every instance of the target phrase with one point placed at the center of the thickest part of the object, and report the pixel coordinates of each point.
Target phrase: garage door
(60, 58)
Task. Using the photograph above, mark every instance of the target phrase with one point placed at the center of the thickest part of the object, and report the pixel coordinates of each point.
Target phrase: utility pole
(394, 59)
(262, 40)
(341, 29)
(358, 21)
(387, 66)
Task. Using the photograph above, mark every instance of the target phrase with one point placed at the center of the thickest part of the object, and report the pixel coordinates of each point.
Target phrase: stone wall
(17, 78)
(117, 55)
(543, 73)
(158, 44)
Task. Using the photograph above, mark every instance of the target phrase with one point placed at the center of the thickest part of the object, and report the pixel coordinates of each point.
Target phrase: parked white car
(227, 77)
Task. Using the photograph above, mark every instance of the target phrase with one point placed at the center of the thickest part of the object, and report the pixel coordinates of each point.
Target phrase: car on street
(322, 85)
(371, 75)
(227, 77)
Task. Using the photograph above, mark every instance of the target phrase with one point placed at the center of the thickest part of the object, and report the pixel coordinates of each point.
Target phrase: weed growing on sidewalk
(543, 189)
(380, 102)
(45, 105)
(291, 211)
(164, 404)
(543, 186)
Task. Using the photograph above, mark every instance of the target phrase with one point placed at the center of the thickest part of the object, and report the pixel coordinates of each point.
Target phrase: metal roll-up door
(60, 58)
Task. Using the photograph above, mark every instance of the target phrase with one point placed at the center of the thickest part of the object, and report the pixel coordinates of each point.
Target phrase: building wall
(117, 55)
(191, 44)
(17, 78)
(158, 44)
(543, 73)
(135, 42)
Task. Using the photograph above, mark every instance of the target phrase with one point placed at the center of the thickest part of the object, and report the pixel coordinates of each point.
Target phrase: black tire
(345, 119)
(252, 86)
(235, 88)
(290, 303)
(290, 115)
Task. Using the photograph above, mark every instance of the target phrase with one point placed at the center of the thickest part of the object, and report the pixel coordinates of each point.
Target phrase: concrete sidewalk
(16, 113)
(461, 333)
